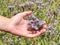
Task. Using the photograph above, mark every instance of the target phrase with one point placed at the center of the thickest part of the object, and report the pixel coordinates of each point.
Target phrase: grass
(50, 37)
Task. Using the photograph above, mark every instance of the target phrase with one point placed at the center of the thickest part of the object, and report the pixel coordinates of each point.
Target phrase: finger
(37, 34)
(23, 14)
(44, 26)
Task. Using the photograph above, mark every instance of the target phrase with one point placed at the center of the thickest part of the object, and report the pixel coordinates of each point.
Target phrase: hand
(18, 26)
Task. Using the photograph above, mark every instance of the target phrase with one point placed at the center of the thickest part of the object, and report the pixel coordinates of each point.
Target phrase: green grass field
(48, 10)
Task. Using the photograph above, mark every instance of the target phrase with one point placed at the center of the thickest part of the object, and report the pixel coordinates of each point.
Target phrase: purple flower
(41, 22)
(26, 4)
(38, 1)
(10, 6)
(48, 14)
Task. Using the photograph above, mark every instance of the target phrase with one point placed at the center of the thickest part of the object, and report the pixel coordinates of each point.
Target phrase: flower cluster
(34, 22)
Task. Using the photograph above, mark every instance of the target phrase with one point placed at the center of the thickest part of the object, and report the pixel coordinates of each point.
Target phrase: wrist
(4, 23)
(6, 26)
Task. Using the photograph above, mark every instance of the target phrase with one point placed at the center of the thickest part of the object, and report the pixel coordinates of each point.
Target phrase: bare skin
(18, 26)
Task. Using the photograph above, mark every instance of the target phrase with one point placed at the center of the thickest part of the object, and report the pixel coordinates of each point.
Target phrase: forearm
(4, 22)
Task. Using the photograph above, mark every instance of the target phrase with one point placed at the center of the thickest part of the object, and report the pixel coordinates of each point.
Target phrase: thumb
(17, 18)
(23, 14)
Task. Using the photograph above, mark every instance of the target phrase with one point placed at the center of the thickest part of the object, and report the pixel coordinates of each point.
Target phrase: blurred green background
(48, 10)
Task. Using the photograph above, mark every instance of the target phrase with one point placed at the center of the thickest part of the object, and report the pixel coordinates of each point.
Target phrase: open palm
(19, 26)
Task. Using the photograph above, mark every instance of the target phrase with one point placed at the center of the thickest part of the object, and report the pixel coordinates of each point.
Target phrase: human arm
(17, 25)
